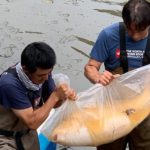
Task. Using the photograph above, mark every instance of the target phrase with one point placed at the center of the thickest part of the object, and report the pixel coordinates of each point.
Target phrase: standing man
(121, 47)
(27, 95)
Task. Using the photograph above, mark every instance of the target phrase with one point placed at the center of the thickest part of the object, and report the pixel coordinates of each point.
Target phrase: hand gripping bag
(102, 114)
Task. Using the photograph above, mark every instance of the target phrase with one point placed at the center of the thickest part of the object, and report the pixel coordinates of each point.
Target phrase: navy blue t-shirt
(13, 94)
(107, 48)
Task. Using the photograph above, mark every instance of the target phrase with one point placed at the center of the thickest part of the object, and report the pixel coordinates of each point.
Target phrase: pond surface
(69, 26)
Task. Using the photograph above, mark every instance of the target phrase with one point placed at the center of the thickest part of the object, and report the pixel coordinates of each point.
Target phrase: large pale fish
(102, 114)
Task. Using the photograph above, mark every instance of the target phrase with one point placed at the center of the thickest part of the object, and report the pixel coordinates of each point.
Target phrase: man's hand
(105, 78)
(64, 92)
(72, 95)
(91, 71)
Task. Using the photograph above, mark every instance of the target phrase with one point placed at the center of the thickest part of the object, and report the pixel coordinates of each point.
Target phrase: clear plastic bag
(60, 78)
(102, 114)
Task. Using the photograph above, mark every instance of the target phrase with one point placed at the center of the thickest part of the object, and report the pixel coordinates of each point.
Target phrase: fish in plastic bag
(102, 114)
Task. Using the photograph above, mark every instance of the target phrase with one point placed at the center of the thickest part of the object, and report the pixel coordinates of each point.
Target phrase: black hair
(137, 12)
(38, 55)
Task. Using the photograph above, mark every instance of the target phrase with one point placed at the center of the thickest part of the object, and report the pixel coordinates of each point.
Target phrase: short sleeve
(14, 96)
(100, 50)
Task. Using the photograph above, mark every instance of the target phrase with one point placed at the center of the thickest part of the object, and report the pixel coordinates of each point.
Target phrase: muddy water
(69, 26)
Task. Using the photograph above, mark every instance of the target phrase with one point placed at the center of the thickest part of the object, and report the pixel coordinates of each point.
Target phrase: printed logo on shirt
(135, 53)
(118, 53)
(131, 53)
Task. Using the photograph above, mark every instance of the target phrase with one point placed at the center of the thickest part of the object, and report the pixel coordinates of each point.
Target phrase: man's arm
(34, 118)
(91, 71)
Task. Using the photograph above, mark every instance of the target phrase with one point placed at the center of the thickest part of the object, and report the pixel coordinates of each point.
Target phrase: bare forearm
(33, 118)
(40, 114)
(92, 74)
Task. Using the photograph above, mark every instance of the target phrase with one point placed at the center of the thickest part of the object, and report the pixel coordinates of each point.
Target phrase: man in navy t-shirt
(136, 17)
(27, 95)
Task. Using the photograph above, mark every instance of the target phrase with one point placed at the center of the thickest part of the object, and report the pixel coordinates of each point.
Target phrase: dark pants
(138, 139)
